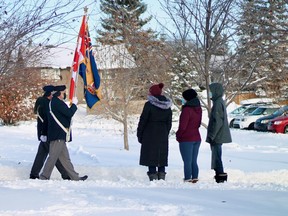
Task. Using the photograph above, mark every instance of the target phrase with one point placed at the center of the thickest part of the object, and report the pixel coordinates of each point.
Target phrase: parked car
(279, 124)
(247, 107)
(247, 121)
(242, 110)
(262, 123)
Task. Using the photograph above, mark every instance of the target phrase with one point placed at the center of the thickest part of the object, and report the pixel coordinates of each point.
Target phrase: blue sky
(70, 32)
(153, 9)
(94, 13)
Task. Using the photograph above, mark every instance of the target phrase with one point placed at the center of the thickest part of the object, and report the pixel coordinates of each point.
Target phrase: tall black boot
(152, 176)
(220, 178)
(161, 175)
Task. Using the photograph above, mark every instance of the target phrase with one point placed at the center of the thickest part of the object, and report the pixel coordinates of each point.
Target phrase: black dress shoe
(66, 178)
(34, 177)
(83, 178)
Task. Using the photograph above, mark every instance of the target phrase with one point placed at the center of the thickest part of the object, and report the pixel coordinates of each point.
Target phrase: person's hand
(43, 138)
(209, 140)
(75, 100)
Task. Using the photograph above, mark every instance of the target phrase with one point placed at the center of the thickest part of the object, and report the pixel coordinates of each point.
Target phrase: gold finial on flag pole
(85, 9)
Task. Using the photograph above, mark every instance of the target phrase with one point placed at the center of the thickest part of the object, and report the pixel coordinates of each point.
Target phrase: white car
(247, 121)
(240, 111)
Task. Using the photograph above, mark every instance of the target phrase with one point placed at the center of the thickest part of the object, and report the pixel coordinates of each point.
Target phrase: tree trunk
(125, 124)
(208, 53)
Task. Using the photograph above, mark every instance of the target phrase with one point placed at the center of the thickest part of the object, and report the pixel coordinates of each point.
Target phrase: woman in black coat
(153, 131)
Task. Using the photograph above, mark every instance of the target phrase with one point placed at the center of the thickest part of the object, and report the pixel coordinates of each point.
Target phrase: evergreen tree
(122, 22)
(122, 25)
(182, 70)
(223, 49)
(263, 39)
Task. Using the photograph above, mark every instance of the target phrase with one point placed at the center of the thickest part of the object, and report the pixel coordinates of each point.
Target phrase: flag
(85, 65)
(78, 57)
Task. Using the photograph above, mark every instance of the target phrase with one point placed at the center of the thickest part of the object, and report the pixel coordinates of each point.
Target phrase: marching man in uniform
(59, 122)
(41, 108)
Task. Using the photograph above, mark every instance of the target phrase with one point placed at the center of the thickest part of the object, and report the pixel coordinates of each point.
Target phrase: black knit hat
(189, 94)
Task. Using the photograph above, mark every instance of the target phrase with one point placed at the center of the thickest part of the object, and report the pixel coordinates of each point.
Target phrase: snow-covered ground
(256, 164)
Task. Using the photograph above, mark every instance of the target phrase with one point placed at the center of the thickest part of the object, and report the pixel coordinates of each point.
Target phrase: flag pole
(77, 72)
(76, 79)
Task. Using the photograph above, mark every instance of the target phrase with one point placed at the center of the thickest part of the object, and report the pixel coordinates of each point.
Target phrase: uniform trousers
(58, 150)
(42, 153)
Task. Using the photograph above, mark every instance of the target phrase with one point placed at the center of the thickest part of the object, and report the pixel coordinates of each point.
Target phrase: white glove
(43, 138)
(75, 100)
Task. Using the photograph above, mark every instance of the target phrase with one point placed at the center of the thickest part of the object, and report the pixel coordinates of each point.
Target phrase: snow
(256, 163)
(257, 100)
(107, 57)
(59, 57)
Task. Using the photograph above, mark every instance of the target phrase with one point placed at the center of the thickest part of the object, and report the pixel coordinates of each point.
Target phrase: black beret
(60, 88)
(189, 94)
(48, 88)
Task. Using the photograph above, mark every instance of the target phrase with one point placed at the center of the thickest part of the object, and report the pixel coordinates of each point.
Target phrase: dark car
(261, 124)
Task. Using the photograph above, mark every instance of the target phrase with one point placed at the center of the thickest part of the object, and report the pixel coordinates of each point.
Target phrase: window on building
(50, 73)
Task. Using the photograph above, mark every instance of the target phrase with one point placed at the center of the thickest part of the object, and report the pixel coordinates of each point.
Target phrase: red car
(278, 125)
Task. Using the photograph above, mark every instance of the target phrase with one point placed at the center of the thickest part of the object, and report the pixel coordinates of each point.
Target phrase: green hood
(216, 90)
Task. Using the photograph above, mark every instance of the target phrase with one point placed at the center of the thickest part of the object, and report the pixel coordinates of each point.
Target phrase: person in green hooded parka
(218, 131)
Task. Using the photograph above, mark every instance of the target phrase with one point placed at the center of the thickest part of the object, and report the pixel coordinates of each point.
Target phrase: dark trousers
(216, 160)
(42, 153)
(153, 169)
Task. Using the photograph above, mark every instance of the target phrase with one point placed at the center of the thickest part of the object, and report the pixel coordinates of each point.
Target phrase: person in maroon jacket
(188, 134)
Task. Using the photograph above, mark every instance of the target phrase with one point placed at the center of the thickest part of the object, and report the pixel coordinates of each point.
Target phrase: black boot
(161, 175)
(152, 176)
(220, 178)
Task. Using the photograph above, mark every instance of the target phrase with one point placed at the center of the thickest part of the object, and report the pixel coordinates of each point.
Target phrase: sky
(62, 56)
(95, 14)
(256, 163)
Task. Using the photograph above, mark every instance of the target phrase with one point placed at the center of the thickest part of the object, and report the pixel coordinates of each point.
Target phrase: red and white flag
(78, 58)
